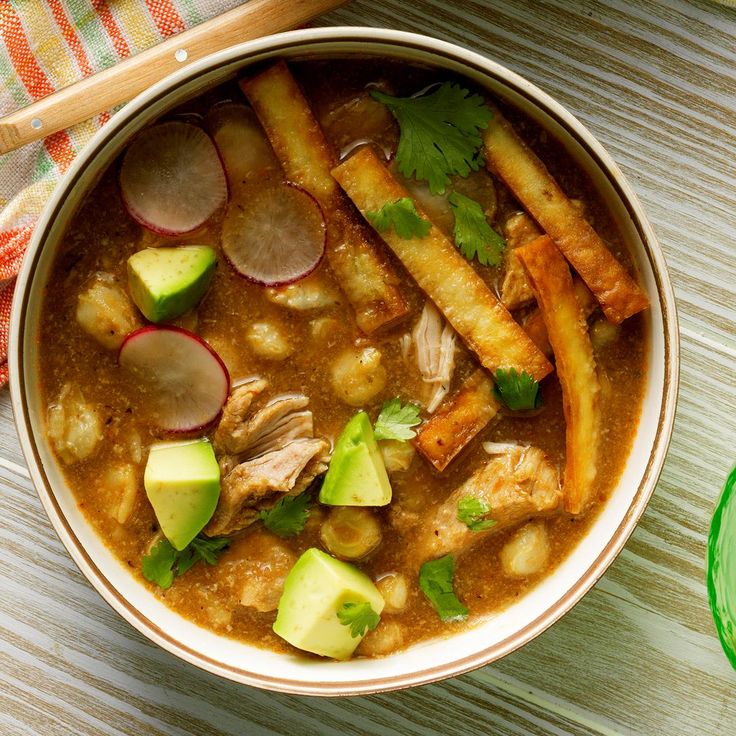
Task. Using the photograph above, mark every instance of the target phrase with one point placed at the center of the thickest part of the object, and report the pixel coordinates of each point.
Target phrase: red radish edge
(133, 211)
(202, 344)
(302, 274)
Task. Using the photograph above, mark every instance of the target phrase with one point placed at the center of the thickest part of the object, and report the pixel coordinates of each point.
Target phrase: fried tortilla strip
(519, 484)
(534, 323)
(568, 333)
(448, 279)
(516, 291)
(355, 255)
(527, 177)
(459, 418)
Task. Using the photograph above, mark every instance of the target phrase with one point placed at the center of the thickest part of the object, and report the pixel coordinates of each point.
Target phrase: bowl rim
(652, 250)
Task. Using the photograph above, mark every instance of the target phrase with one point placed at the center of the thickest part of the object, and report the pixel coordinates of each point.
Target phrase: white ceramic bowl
(497, 635)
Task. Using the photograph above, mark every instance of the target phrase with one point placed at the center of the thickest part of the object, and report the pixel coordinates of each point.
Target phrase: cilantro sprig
(472, 511)
(402, 215)
(436, 582)
(360, 617)
(163, 562)
(440, 133)
(474, 237)
(395, 421)
(288, 515)
(519, 391)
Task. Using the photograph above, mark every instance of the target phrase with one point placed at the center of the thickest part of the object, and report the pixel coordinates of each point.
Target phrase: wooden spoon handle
(123, 81)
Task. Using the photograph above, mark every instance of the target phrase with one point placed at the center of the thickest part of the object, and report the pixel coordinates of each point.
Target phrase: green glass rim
(721, 549)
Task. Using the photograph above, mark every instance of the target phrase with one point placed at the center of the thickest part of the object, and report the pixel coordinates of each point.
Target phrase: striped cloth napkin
(46, 45)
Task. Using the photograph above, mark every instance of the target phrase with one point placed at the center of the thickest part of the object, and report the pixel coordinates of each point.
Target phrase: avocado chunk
(182, 482)
(166, 282)
(316, 588)
(357, 475)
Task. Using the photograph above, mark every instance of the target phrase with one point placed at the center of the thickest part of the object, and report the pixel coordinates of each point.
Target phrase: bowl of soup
(343, 361)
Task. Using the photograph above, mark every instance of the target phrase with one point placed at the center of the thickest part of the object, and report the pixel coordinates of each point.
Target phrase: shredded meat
(434, 344)
(516, 291)
(282, 428)
(519, 484)
(276, 423)
(263, 452)
(234, 415)
(289, 470)
(267, 429)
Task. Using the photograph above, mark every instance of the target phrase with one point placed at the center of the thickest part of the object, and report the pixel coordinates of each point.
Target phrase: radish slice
(241, 141)
(274, 234)
(184, 381)
(172, 179)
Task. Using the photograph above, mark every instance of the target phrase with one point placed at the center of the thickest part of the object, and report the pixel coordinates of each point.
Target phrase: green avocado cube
(182, 482)
(357, 475)
(165, 283)
(316, 588)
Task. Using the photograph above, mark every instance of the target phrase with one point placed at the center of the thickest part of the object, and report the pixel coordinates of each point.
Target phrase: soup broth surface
(103, 235)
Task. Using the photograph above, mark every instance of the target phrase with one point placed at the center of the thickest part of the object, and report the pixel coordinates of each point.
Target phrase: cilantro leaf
(158, 564)
(519, 391)
(163, 563)
(471, 512)
(435, 580)
(439, 133)
(395, 422)
(288, 516)
(473, 235)
(207, 548)
(402, 215)
(185, 559)
(360, 617)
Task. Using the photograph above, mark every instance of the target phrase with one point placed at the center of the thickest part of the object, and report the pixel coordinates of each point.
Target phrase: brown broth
(102, 236)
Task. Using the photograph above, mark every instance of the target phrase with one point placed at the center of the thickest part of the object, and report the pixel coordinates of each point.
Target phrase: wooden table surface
(655, 83)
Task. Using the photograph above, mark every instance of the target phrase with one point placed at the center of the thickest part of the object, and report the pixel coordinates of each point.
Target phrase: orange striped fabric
(45, 44)
(73, 41)
(112, 29)
(165, 15)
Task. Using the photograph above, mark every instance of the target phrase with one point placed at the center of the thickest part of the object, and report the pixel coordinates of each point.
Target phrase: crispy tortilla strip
(459, 418)
(568, 333)
(448, 279)
(518, 485)
(355, 255)
(534, 327)
(527, 177)
(534, 323)
(516, 291)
